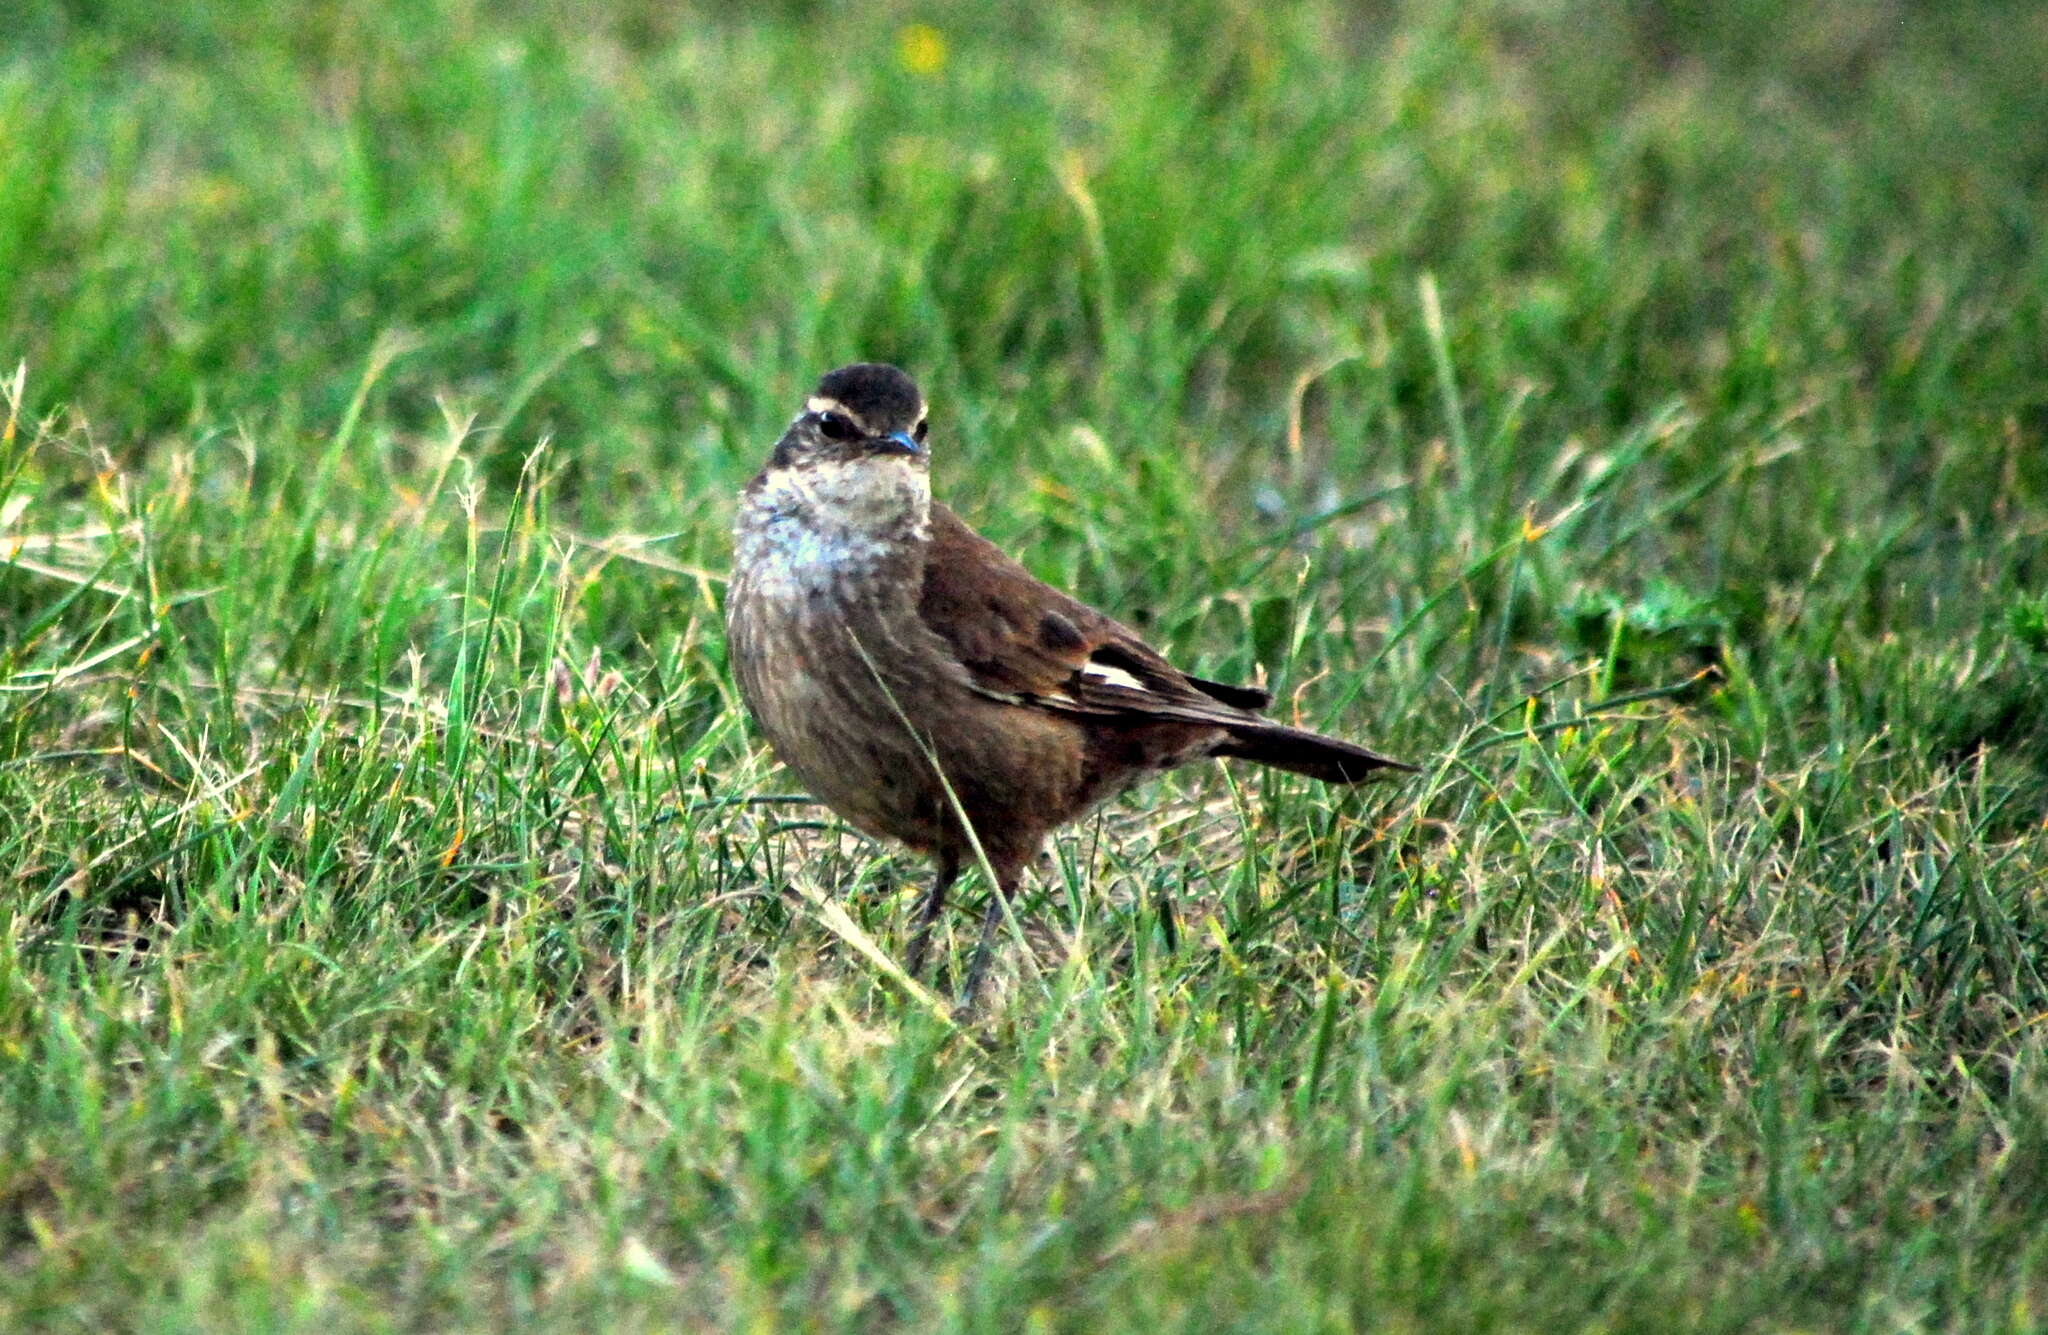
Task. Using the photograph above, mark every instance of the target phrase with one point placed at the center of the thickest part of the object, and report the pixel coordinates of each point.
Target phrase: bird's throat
(818, 524)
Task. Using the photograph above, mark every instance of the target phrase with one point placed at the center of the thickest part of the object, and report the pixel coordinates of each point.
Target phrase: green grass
(1637, 412)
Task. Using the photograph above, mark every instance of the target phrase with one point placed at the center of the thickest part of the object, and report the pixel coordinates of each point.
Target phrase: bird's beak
(898, 442)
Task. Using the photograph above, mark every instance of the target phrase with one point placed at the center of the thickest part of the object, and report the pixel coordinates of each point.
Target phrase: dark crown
(881, 396)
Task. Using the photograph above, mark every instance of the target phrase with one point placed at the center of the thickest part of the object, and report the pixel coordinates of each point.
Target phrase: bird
(928, 688)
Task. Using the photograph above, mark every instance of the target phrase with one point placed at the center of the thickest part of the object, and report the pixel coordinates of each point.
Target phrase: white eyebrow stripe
(1112, 676)
(818, 403)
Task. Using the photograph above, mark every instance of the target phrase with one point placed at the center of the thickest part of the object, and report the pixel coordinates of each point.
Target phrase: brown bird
(911, 674)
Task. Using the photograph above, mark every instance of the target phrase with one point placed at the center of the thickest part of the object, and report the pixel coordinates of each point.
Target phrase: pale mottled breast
(801, 529)
(804, 601)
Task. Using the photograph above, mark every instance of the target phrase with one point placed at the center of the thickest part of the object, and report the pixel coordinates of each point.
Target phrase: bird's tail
(1301, 752)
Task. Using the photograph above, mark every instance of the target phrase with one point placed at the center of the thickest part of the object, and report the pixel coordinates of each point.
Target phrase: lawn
(1634, 412)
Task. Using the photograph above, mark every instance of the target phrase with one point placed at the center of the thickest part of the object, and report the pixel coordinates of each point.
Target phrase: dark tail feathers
(1301, 752)
(1240, 697)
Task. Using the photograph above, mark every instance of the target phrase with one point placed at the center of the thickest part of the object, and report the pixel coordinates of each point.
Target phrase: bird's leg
(928, 913)
(984, 949)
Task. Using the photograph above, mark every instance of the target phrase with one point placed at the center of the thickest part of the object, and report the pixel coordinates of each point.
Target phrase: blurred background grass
(1483, 373)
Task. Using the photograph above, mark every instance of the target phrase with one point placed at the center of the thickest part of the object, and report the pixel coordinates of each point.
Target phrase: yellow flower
(921, 48)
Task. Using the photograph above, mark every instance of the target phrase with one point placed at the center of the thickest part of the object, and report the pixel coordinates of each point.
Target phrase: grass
(1634, 411)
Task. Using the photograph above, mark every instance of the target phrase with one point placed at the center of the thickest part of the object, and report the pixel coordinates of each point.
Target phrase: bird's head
(866, 412)
(853, 463)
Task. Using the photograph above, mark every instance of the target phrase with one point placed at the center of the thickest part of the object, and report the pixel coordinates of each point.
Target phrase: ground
(1633, 412)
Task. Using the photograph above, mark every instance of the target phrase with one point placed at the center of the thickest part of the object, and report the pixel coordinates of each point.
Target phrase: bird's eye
(921, 429)
(837, 426)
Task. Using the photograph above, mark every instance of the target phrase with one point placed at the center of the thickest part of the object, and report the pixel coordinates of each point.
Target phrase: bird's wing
(1023, 641)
